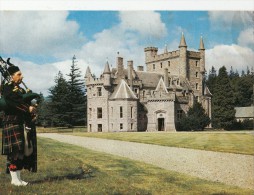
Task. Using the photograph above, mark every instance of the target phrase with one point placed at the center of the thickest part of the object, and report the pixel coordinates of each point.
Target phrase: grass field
(233, 142)
(60, 172)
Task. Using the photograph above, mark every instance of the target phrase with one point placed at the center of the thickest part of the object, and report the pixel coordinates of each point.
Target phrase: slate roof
(244, 112)
(123, 91)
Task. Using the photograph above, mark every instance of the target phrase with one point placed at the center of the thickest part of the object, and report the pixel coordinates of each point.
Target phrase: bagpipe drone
(29, 97)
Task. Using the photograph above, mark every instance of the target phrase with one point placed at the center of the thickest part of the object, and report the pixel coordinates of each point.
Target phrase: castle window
(196, 63)
(99, 112)
(161, 64)
(90, 112)
(168, 63)
(99, 93)
(179, 114)
(196, 74)
(131, 126)
(131, 112)
(196, 86)
(154, 66)
(121, 112)
(90, 127)
(99, 127)
(121, 126)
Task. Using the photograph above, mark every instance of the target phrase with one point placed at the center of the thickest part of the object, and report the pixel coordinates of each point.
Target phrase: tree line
(229, 90)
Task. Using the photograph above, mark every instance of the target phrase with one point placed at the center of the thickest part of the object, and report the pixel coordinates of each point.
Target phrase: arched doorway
(161, 119)
(161, 124)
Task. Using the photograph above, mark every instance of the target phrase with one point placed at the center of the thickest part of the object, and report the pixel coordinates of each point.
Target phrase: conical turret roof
(106, 69)
(88, 72)
(182, 42)
(201, 45)
(123, 91)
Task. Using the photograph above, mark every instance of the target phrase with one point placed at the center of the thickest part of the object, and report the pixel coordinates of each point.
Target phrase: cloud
(229, 55)
(246, 38)
(147, 23)
(122, 38)
(38, 78)
(228, 20)
(38, 33)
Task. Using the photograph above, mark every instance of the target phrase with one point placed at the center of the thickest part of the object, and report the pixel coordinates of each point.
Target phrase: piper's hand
(32, 109)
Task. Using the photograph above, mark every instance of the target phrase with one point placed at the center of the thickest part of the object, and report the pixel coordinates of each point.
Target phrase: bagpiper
(19, 142)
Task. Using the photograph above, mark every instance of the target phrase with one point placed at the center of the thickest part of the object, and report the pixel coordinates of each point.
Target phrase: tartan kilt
(13, 141)
(12, 135)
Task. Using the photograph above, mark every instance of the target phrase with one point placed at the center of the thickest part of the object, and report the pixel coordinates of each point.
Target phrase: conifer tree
(58, 105)
(223, 112)
(195, 119)
(76, 96)
(211, 79)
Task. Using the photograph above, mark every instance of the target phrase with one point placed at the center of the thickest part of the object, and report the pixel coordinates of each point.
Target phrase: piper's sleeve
(14, 98)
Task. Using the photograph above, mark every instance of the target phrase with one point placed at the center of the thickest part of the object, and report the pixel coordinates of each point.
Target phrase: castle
(124, 99)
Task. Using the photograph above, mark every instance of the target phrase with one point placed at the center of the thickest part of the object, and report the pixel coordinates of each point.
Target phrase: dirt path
(231, 169)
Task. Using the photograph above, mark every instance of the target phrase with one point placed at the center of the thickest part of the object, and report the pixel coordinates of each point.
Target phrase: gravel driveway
(231, 169)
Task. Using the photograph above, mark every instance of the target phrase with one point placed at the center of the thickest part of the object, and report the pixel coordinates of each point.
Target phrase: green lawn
(233, 142)
(59, 172)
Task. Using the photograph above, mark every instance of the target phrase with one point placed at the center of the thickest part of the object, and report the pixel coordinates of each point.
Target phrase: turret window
(121, 112)
(168, 63)
(196, 74)
(99, 92)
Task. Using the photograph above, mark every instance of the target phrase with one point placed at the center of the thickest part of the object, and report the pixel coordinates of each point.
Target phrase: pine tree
(58, 104)
(76, 96)
(244, 90)
(223, 112)
(196, 119)
(211, 79)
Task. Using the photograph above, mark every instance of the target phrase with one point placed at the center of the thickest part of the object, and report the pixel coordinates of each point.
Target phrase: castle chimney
(140, 68)
(120, 67)
(166, 77)
(130, 70)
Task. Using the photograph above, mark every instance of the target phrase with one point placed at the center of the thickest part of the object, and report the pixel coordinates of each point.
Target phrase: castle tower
(183, 57)
(150, 53)
(123, 109)
(107, 75)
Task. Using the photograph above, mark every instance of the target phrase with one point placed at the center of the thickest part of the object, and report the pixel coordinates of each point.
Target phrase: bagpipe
(29, 97)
